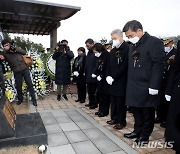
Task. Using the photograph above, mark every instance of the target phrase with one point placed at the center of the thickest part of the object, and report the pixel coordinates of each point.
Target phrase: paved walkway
(72, 131)
(80, 129)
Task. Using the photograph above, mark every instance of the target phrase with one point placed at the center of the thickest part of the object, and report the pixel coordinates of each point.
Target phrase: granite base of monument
(29, 130)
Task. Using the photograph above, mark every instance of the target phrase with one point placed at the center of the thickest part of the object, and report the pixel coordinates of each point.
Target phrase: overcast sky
(98, 18)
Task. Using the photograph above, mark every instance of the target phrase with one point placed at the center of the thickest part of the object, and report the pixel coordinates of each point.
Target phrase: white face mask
(116, 43)
(167, 49)
(109, 50)
(97, 54)
(134, 40)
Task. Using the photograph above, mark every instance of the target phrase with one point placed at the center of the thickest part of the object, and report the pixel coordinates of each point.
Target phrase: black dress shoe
(34, 102)
(157, 120)
(82, 101)
(102, 115)
(93, 106)
(97, 113)
(87, 105)
(131, 135)
(118, 126)
(140, 141)
(65, 97)
(163, 124)
(58, 97)
(111, 122)
(77, 100)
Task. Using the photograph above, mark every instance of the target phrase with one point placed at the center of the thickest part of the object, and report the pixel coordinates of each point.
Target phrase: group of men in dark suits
(134, 74)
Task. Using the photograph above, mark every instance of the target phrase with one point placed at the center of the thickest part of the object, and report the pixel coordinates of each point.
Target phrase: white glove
(76, 74)
(109, 80)
(93, 75)
(168, 98)
(99, 78)
(153, 91)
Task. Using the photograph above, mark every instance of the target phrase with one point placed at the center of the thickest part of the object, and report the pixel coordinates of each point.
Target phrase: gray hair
(117, 31)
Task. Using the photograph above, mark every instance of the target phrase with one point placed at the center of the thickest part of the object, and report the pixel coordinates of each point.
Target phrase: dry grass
(32, 149)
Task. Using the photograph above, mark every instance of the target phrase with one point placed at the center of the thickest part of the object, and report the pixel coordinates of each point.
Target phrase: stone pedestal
(6, 131)
(29, 130)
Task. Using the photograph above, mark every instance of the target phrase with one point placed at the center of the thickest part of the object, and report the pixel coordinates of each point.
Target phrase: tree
(24, 44)
(7, 36)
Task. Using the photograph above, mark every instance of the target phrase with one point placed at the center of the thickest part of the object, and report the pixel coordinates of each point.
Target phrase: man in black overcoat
(172, 132)
(79, 75)
(117, 79)
(162, 109)
(63, 56)
(101, 72)
(145, 70)
(91, 80)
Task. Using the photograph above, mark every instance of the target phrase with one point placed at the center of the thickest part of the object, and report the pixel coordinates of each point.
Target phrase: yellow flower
(39, 63)
(42, 84)
(9, 95)
(8, 75)
(24, 86)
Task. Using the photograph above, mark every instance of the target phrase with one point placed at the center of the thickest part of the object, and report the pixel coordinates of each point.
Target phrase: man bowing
(145, 70)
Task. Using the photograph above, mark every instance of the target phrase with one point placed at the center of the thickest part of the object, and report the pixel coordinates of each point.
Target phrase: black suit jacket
(117, 69)
(90, 67)
(167, 67)
(101, 70)
(80, 68)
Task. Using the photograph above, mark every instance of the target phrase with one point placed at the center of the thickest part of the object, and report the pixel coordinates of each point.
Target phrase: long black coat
(90, 67)
(145, 72)
(172, 132)
(166, 72)
(101, 70)
(79, 66)
(168, 64)
(63, 67)
(117, 69)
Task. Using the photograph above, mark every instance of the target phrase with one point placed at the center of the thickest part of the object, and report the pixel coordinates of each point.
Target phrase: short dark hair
(99, 47)
(64, 41)
(90, 41)
(81, 49)
(5, 41)
(133, 25)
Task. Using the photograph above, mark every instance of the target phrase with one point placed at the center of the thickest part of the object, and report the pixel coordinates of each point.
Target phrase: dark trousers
(104, 103)
(2, 86)
(162, 111)
(81, 89)
(162, 108)
(118, 109)
(92, 89)
(19, 79)
(144, 120)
